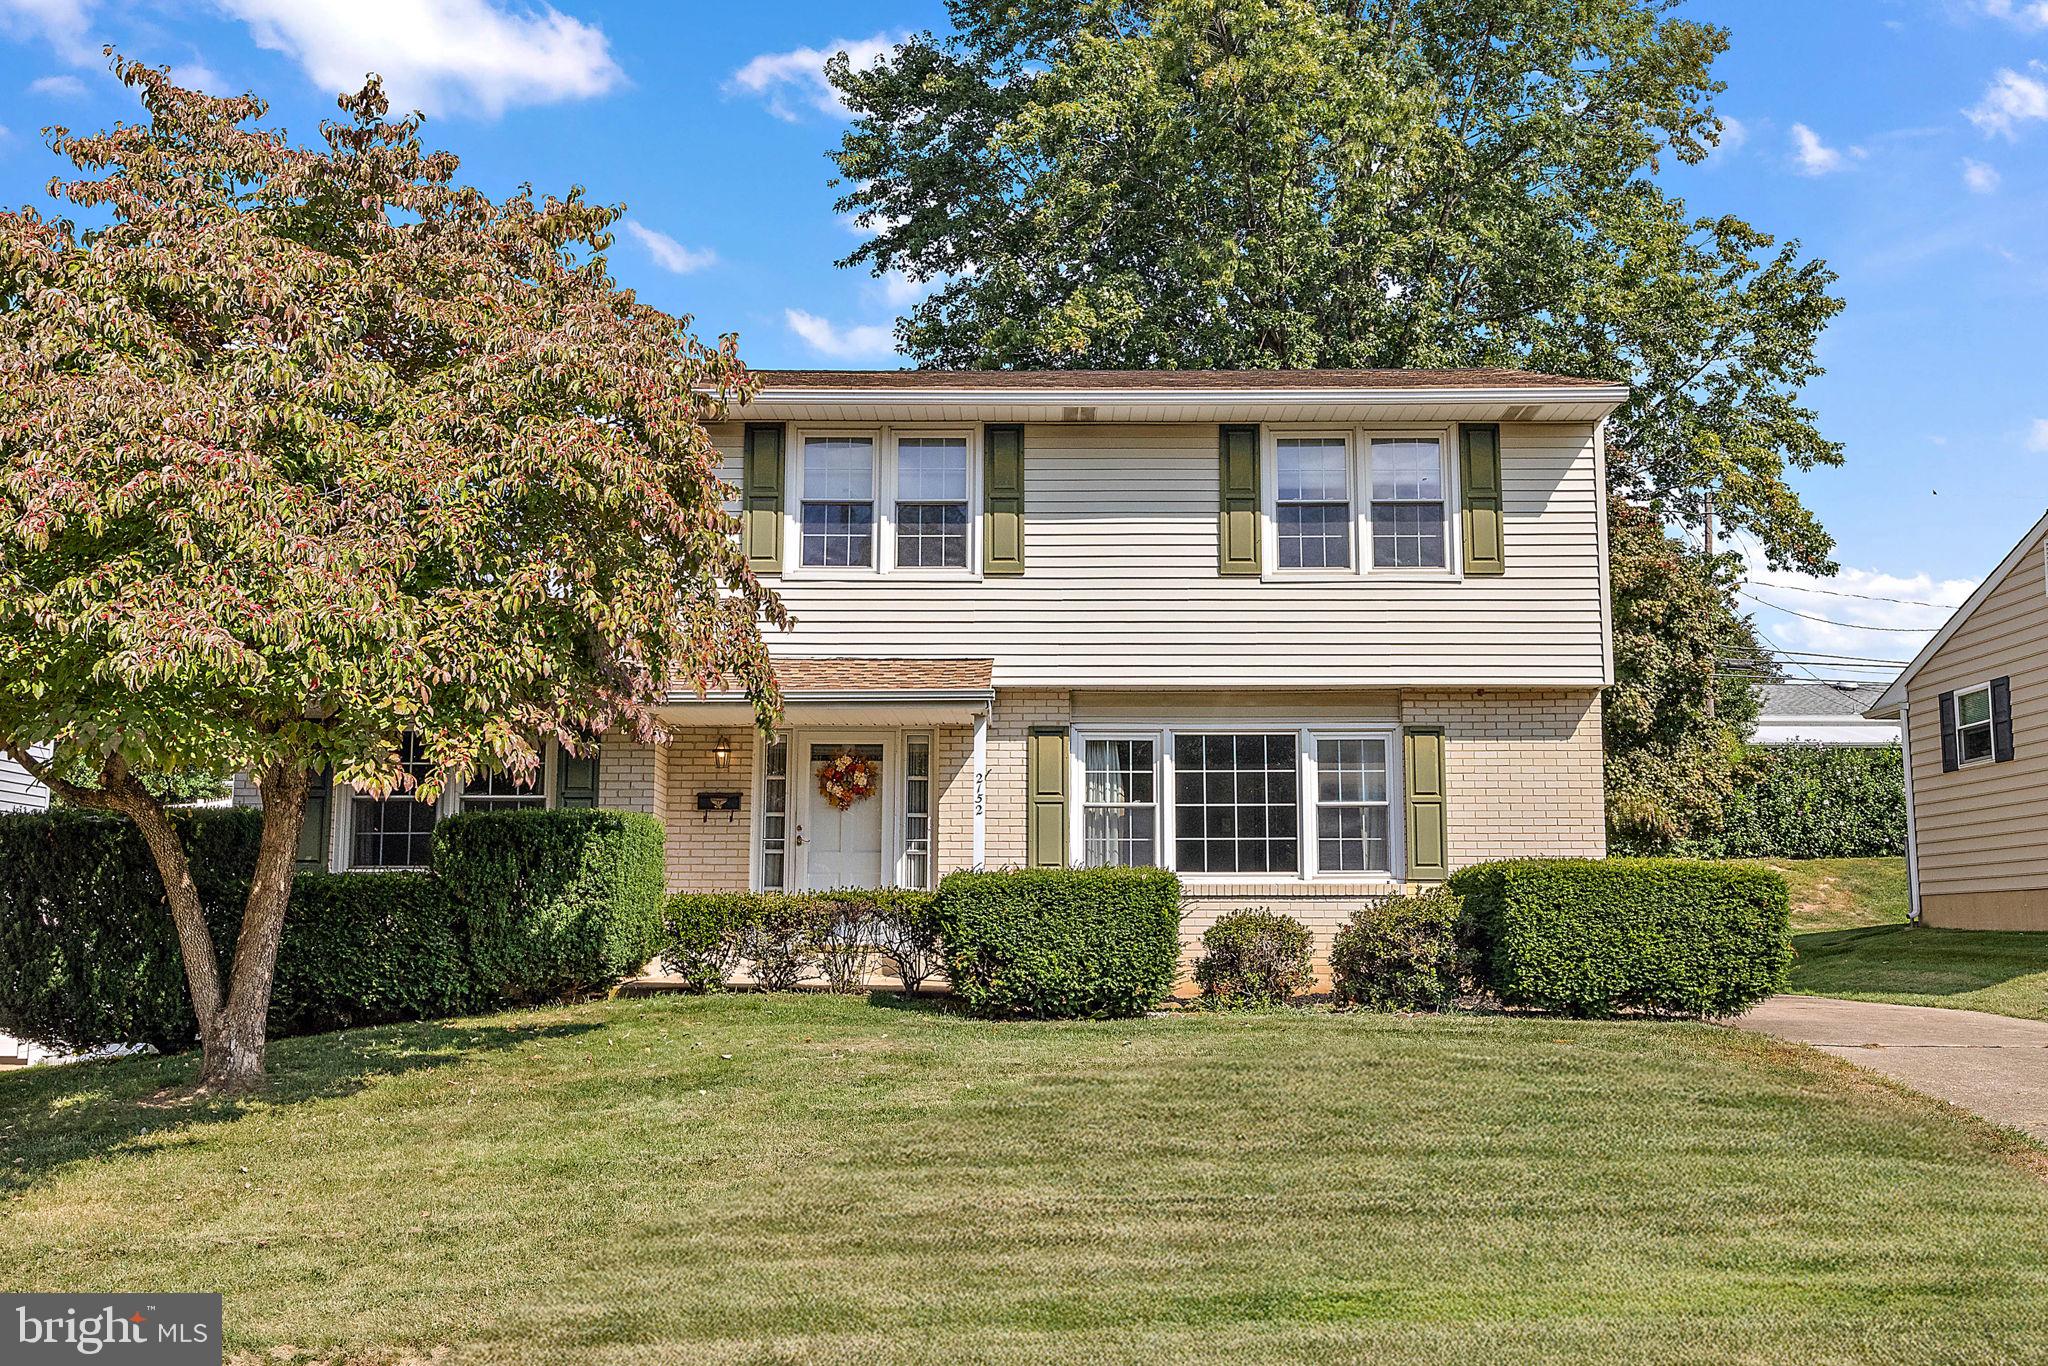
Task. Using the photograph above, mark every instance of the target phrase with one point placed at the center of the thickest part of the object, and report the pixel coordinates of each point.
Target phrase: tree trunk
(195, 940)
(234, 1046)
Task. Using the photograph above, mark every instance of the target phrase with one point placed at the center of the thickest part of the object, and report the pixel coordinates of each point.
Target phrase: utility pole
(1707, 508)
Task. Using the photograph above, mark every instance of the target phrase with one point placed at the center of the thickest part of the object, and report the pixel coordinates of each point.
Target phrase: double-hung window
(1408, 507)
(931, 502)
(1312, 502)
(1234, 803)
(503, 792)
(1974, 739)
(1351, 805)
(395, 831)
(1120, 810)
(838, 517)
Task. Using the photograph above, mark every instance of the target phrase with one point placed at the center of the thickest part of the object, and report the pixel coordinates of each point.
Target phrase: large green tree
(1336, 183)
(304, 450)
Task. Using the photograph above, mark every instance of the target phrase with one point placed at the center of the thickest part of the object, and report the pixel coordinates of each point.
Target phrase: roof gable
(1895, 696)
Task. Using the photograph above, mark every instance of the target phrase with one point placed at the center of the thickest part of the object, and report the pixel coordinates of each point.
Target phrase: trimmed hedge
(1254, 958)
(1814, 801)
(1403, 953)
(88, 955)
(785, 937)
(1061, 943)
(556, 903)
(1588, 937)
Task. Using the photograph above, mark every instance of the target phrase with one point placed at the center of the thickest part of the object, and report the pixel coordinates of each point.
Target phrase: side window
(1973, 725)
(931, 502)
(1120, 804)
(1312, 502)
(1351, 805)
(395, 831)
(1408, 503)
(838, 519)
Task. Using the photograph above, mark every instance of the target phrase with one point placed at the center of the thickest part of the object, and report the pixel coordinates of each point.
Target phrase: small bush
(1590, 937)
(1403, 953)
(1254, 958)
(556, 903)
(1061, 943)
(907, 935)
(703, 934)
(780, 941)
(843, 927)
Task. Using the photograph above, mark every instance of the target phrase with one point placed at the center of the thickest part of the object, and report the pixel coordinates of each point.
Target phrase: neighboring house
(1974, 705)
(1305, 637)
(1822, 714)
(19, 791)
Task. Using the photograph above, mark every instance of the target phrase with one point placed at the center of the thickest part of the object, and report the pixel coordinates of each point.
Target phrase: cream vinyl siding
(18, 791)
(1120, 587)
(1984, 827)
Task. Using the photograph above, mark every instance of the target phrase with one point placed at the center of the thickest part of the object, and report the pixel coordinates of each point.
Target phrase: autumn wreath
(847, 779)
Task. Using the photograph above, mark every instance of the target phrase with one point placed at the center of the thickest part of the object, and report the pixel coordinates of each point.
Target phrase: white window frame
(1359, 441)
(1989, 723)
(757, 803)
(884, 487)
(1447, 471)
(930, 741)
(1305, 732)
(1078, 741)
(341, 840)
(1388, 737)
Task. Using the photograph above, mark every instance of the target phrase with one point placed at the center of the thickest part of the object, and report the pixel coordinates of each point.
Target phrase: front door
(842, 841)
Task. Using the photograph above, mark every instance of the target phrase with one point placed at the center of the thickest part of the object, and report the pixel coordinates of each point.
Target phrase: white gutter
(684, 699)
(1612, 395)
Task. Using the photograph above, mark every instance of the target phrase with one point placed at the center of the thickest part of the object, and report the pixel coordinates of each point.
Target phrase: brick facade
(1524, 771)
(1017, 710)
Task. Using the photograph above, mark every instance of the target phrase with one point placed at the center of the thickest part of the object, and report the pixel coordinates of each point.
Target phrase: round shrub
(1254, 958)
(1403, 953)
(1061, 943)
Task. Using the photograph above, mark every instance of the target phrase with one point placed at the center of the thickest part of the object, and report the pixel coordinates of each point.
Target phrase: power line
(1866, 597)
(1829, 621)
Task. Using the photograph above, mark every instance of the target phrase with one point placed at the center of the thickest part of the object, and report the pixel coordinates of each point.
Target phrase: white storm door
(841, 847)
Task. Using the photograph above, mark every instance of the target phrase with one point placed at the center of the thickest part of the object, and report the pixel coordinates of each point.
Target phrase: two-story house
(1303, 637)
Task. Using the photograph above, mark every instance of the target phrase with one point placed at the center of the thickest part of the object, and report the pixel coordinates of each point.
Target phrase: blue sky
(1904, 140)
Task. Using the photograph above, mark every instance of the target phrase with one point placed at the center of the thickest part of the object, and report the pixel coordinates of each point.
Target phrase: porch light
(721, 751)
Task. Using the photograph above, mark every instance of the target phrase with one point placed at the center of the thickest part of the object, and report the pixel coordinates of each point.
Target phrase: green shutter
(1045, 782)
(761, 498)
(1002, 500)
(1479, 500)
(576, 779)
(313, 835)
(1237, 520)
(1422, 763)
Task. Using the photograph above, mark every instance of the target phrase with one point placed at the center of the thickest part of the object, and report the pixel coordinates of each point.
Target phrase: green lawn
(1849, 927)
(764, 1178)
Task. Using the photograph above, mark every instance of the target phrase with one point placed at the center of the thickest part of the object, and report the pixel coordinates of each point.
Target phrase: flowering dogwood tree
(304, 450)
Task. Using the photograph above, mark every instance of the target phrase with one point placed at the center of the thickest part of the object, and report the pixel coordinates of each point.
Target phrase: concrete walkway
(1992, 1064)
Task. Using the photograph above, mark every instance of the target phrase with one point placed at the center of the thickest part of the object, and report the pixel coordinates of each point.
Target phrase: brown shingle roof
(1169, 380)
(806, 677)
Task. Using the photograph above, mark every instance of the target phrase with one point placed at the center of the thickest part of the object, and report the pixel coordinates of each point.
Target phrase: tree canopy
(307, 449)
(1371, 183)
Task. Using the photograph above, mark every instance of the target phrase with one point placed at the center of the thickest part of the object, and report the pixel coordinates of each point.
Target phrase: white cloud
(865, 341)
(1734, 133)
(1979, 176)
(2025, 13)
(2037, 436)
(1909, 608)
(1811, 156)
(793, 83)
(60, 23)
(2010, 100)
(668, 253)
(900, 291)
(439, 55)
(197, 75)
(57, 87)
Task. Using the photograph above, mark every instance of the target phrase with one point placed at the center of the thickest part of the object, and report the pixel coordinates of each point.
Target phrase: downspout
(1912, 828)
